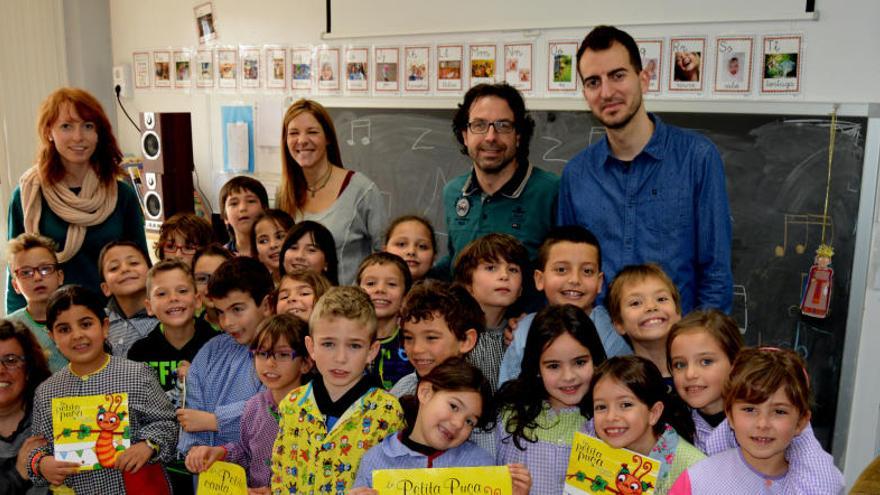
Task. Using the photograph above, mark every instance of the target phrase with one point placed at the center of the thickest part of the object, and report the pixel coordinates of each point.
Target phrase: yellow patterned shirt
(306, 458)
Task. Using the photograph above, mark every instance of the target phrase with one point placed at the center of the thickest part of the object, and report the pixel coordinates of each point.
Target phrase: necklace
(323, 180)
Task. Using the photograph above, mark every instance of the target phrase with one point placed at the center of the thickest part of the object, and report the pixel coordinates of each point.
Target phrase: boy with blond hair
(33, 266)
(327, 425)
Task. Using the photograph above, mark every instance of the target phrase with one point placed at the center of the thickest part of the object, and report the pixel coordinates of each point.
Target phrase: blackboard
(776, 168)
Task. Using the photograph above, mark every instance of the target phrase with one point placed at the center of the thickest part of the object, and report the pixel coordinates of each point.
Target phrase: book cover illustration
(91, 430)
(595, 467)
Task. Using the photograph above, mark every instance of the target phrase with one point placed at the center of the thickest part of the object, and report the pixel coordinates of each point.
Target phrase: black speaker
(166, 143)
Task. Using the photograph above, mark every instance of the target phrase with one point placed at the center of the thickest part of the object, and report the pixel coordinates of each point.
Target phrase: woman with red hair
(72, 193)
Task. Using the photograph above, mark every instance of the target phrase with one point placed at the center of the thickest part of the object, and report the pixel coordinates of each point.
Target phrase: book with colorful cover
(91, 430)
(594, 467)
(485, 480)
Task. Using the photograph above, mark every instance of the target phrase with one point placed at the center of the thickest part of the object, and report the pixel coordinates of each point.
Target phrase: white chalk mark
(416, 145)
(740, 291)
(363, 125)
(596, 133)
(558, 144)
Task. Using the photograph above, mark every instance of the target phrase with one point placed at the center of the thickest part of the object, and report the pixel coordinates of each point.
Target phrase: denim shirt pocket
(662, 210)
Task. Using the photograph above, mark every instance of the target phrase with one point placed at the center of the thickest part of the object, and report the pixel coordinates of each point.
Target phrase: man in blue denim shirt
(650, 192)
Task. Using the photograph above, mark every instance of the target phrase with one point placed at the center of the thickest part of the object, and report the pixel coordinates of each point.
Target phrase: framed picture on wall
(386, 74)
(162, 68)
(204, 68)
(182, 69)
(450, 65)
(651, 52)
(328, 69)
(205, 28)
(141, 64)
(301, 69)
(417, 64)
(481, 61)
(250, 67)
(687, 64)
(561, 73)
(781, 64)
(357, 63)
(276, 67)
(518, 65)
(733, 64)
(227, 68)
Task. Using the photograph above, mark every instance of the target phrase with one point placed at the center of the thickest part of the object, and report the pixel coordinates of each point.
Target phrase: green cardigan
(125, 223)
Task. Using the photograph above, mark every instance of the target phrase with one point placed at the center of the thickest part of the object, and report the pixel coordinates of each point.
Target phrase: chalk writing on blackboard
(416, 145)
(557, 143)
(801, 223)
(364, 126)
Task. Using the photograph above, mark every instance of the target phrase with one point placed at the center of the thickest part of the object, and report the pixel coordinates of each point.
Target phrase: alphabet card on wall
(518, 65)
(417, 60)
(596, 467)
(561, 72)
(487, 480)
(733, 64)
(687, 63)
(781, 71)
(482, 63)
(651, 52)
(91, 430)
(450, 59)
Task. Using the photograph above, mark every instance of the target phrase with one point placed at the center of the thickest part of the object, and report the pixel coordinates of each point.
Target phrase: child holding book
(540, 410)
(298, 292)
(243, 198)
(35, 274)
(123, 267)
(767, 402)
(633, 410)
(387, 279)
(78, 324)
(450, 401)
(282, 363)
(328, 424)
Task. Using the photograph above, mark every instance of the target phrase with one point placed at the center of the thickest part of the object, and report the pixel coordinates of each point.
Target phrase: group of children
(403, 371)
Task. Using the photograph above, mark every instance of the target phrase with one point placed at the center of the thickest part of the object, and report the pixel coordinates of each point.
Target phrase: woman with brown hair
(72, 194)
(316, 187)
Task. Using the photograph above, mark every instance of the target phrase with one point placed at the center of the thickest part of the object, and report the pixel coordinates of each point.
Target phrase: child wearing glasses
(33, 266)
(282, 364)
(182, 235)
(122, 266)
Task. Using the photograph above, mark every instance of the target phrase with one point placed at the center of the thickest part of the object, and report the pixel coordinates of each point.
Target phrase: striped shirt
(254, 451)
(125, 331)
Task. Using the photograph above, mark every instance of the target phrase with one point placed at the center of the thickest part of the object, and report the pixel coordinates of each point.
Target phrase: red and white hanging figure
(816, 299)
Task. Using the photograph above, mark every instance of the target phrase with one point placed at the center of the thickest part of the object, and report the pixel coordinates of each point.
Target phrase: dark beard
(623, 123)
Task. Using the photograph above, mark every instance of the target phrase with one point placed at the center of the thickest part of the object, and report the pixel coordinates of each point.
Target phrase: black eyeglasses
(29, 271)
(482, 126)
(171, 247)
(280, 357)
(12, 361)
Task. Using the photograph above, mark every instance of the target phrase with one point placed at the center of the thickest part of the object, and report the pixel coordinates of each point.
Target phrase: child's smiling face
(80, 335)
(242, 208)
(647, 310)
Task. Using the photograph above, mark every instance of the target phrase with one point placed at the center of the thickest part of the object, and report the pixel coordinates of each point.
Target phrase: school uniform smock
(311, 456)
(524, 207)
(254, 451)
(393, 453)
(126, 222)
(668, 205)
(811, 470)
(41, 333)
(126, 330)
(728, 472)
(220, 380)
(357, 219)
(547, 457)
(151, 417)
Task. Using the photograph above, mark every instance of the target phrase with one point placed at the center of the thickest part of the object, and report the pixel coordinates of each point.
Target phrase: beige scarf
(92, 206)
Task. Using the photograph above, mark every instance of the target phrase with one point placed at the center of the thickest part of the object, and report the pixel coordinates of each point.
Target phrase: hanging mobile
(816, 299)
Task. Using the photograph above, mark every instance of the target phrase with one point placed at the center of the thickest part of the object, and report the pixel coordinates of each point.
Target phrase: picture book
(595, 467)
(488, 480)
(91, 430)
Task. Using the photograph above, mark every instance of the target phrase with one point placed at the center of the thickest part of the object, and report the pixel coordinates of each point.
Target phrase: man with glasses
(503, 192)
(651, 192)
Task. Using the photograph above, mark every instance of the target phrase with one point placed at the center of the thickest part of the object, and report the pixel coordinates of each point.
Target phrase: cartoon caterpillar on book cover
(108, 419)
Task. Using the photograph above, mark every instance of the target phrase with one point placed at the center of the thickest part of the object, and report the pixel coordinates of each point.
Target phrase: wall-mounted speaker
(166, 143)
